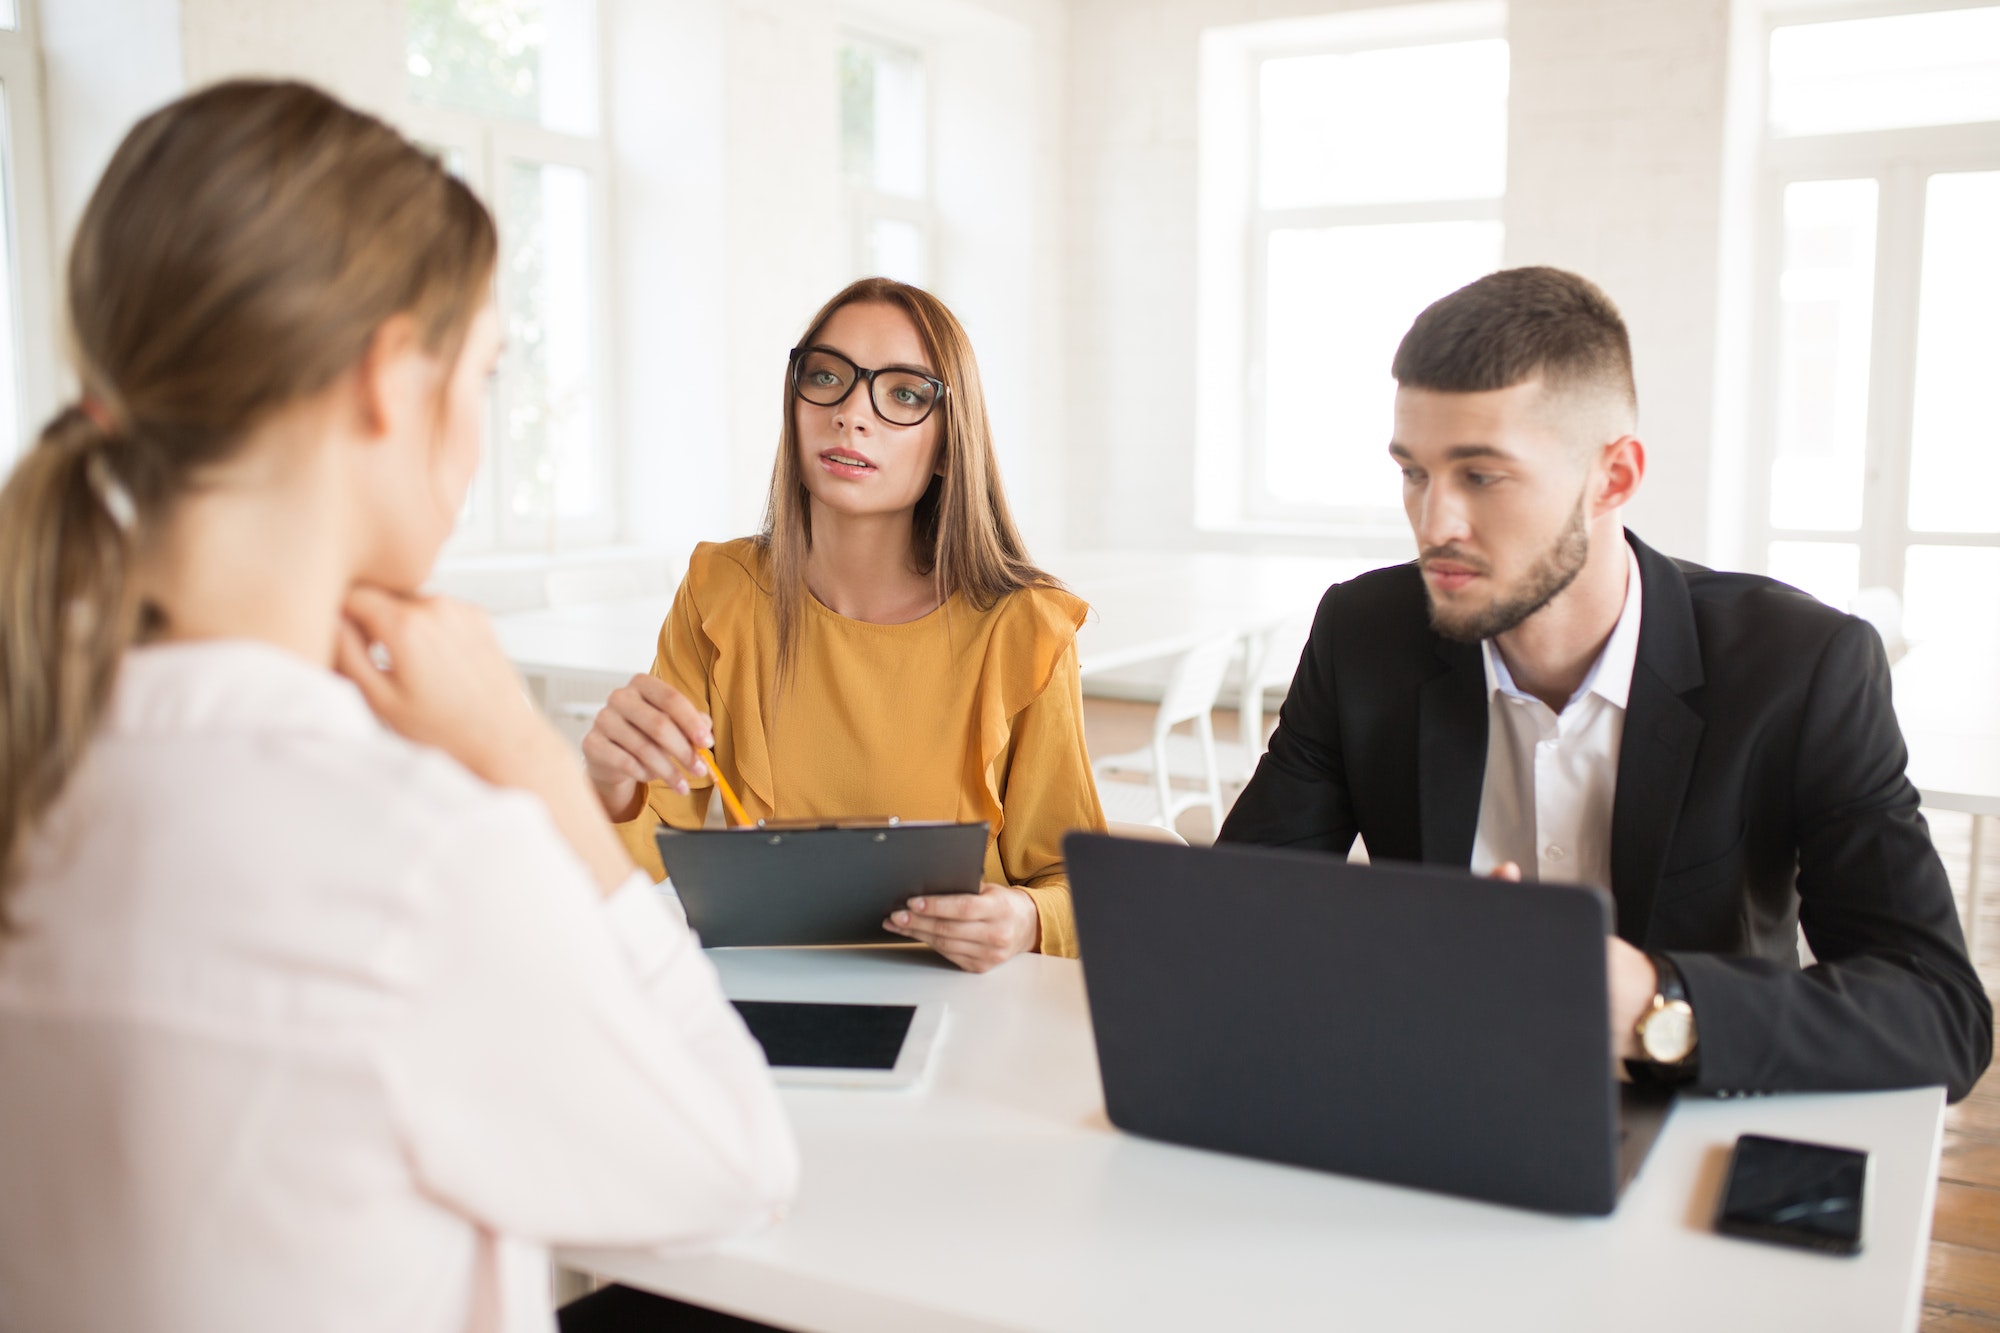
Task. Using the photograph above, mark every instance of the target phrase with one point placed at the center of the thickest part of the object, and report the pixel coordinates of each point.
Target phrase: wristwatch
(1666, 1030)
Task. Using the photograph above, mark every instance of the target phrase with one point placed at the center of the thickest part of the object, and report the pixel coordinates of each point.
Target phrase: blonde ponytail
(242, 249)
(67, 614)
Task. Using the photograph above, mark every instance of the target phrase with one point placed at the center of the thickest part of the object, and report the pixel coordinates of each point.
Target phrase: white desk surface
(1000, 1198)
(1145, 605)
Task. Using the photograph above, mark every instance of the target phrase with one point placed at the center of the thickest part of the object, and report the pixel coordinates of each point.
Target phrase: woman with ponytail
(328, 998)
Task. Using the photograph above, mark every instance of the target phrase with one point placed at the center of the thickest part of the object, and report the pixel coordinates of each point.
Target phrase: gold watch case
(1666, 1031)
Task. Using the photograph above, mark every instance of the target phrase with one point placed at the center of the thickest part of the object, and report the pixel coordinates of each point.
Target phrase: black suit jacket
(1760, 787)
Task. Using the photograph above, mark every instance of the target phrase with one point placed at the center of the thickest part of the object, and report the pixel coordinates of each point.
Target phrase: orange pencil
(730, 805)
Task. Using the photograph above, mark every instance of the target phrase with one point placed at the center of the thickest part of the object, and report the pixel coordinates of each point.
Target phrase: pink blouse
(302, 1026)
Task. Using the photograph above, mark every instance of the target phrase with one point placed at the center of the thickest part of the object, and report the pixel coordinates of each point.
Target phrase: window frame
(488, 146)
(1901, 162)
(864, 204)
(28, 202)
(1255, 504)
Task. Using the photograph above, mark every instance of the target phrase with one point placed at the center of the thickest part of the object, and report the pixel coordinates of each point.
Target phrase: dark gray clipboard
(833, 883)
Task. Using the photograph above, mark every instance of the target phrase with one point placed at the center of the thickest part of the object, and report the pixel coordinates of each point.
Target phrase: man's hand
(978, 931)
(1632, 978)
(1634, 982)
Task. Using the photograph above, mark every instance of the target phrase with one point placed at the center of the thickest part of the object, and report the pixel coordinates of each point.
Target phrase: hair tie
(111, 492)
(100, 415)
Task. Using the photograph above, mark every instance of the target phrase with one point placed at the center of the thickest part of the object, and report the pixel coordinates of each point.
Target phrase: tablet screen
(827, 1036)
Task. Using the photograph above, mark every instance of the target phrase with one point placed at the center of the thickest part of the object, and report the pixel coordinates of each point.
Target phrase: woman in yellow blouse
(884, 647)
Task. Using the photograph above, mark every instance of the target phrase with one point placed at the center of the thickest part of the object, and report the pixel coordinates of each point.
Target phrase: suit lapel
(1451, 755)
(1662, 735)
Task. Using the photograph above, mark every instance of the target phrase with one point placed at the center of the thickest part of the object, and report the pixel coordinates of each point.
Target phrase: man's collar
(1610, 676)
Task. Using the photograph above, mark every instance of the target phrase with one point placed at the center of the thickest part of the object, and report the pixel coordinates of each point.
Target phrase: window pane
(1826, 299)
(882, 117)
(528, 60)
(896, 250)
(1940, 68)
(1338, 301)
(1954, 435)
(1830, 571)
(550, 465)
(1951, 596)
(10, 374)
(10, 14)
(1413, 122)
(452, 159)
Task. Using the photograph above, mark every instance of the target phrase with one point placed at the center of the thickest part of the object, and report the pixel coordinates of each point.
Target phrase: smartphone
(1795, 1193)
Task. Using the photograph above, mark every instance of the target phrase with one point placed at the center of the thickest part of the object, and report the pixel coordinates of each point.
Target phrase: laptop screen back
(1407, 1024)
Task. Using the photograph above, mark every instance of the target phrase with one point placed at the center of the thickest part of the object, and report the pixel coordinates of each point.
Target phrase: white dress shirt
(1551, 777)
(304, 1027)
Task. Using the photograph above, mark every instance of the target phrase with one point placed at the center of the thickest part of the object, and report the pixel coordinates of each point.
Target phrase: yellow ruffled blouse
(963, 715)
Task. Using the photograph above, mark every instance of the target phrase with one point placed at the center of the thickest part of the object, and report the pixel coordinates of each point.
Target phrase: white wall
(786, 255)
(671, 248)
(105, 64)
(1615, 169)
(354, 48)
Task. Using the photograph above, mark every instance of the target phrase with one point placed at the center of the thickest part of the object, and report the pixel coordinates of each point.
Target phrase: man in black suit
(1543, 693)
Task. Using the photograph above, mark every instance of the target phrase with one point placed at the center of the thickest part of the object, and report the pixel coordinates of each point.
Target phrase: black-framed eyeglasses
(901, 397)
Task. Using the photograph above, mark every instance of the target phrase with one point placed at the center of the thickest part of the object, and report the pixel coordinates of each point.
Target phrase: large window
(27, 271)
(1879, 343)
(507, 92)
(1376, 164)
(885, 158)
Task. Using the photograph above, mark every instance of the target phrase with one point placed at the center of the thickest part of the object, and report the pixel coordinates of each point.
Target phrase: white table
(999, 1198)
(1145, 605)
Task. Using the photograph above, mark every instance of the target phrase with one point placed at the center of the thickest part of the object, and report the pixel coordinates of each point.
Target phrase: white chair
(1189, 696)
(1980, 812)
(1270, 659)
(1143, 832)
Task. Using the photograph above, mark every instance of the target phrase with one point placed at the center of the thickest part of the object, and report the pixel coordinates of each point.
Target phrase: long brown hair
(965, 537)
(242, 249)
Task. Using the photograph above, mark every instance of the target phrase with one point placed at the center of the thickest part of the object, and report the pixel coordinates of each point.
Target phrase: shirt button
(1554, 853)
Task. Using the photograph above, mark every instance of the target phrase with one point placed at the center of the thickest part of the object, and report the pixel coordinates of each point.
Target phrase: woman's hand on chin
(432, 670)
(978, 931)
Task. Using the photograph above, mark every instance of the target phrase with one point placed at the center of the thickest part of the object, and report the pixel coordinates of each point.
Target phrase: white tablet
(845, 1045)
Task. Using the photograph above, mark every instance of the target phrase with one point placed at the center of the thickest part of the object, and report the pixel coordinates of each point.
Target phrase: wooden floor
(1962, 1285)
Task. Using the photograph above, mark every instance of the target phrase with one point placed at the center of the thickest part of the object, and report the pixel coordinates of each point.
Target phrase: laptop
(1410, 1024)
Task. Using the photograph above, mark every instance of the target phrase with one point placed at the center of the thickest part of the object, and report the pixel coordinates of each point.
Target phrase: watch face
(1668, 1033)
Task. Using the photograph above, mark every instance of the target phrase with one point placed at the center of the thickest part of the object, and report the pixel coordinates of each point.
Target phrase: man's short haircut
(1516, 325)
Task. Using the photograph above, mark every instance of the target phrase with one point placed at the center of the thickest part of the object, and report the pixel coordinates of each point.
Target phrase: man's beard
(1556, 570)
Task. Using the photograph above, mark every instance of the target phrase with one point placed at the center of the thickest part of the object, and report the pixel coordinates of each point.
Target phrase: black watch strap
(1670, 986)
